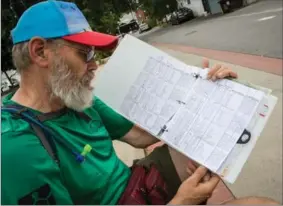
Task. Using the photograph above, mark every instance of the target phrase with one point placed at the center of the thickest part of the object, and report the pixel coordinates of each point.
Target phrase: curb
(261, 63)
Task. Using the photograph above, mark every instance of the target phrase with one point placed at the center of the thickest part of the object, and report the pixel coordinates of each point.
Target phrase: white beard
(73, 91)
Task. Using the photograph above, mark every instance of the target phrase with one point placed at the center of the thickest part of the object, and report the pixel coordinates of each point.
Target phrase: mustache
(70, 87)
(88, 77)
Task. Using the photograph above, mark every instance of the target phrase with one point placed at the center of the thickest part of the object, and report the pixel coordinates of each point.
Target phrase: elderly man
(54, 51)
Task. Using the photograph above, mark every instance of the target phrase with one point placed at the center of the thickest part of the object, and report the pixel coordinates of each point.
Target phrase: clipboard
(233, 165)
(132, 69)
(246, 135)
(231, 168)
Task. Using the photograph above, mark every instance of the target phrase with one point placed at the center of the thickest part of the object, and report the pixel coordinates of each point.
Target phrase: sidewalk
(262, 173)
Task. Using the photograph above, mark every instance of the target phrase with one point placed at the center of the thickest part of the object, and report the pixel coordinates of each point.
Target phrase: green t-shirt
(29, 174)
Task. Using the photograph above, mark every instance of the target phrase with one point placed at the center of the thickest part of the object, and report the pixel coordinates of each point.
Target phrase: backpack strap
(51, 115)
(46, 135)
(40, 130)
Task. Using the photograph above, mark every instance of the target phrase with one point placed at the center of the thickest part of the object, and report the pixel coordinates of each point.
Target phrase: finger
(226, 73)
(207, 177)
(198, 174)
(233, 74)
(189, 171)
(205, 63)
(216, 74)
(210, 185)
(213, 70)
(191, 168)
(214, 180)
(220, 72)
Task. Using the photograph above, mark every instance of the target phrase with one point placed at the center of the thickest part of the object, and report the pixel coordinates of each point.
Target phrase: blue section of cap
(49, 19)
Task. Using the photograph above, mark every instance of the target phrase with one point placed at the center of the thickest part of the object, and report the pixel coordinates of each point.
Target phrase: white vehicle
(4, 86)
(144, 27)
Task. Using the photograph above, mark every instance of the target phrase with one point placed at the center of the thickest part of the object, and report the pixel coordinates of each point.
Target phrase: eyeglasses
(88, 55)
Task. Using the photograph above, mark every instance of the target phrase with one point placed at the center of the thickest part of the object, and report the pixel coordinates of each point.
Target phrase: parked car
(144, 27)
(230, 5)
(7, 85)
(225, 6)
(131, 26)
(181, 15)
(4, 86)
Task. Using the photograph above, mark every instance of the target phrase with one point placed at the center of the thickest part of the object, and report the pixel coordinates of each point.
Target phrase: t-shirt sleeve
(116, 124)
(28, 174)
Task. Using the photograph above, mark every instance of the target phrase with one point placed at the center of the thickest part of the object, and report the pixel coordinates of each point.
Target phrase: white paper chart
(156, 94)
(214, 116)
(203, 119)
(199, 118)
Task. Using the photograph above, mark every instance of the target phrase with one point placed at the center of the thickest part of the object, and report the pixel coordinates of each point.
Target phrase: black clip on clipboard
(245, 137)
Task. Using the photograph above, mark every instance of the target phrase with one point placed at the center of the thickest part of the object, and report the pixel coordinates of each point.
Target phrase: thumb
(205, 63)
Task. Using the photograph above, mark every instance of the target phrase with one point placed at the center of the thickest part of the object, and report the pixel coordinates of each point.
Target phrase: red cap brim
(96, 39)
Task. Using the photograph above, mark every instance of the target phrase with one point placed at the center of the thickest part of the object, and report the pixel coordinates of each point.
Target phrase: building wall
(215, 7)
(195, 5)
(140, 15)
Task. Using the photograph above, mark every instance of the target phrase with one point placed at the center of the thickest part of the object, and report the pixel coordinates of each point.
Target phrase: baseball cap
(59, 19)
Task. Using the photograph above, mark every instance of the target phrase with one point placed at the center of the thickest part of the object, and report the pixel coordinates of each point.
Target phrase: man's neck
(37, 97)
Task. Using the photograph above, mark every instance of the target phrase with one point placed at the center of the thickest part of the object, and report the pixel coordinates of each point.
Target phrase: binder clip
(196, 75)
(245, 137)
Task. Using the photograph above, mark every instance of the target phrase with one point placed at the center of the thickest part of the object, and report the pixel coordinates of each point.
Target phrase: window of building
(189, 1)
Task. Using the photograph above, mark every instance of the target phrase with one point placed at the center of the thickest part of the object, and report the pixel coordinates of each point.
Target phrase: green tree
(10, 11)
(157, 8)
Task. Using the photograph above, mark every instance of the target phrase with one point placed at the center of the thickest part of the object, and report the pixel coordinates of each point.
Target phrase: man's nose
(92, 65)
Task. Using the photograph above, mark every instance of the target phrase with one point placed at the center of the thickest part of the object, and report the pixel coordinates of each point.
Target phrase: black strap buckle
(18, 114)
(245, 137)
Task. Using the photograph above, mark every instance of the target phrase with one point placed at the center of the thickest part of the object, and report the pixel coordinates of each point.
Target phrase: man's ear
(38, 52)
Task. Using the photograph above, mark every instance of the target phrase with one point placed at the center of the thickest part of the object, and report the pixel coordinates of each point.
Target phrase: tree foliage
(103, 16)
(158, 8)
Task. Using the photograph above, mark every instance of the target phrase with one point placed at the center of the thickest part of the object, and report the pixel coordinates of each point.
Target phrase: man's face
(72, 77)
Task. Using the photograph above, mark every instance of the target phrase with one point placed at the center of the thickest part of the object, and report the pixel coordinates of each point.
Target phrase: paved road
(255, 29)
